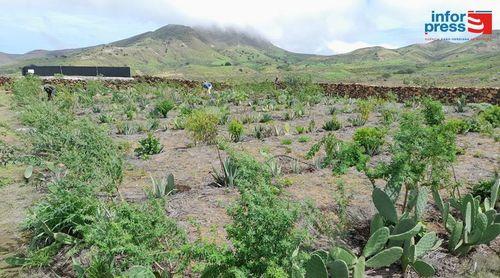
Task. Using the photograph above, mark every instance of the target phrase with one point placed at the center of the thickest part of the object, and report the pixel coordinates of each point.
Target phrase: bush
(433, 112)
(492, 115)
(140, 235)
(202, 126)
(458, 126)
(483, 188)
(340, 155)
(333, 124)
(235, 129)
(370, 139)
(148, 146)
(263, 230)
(163, 107)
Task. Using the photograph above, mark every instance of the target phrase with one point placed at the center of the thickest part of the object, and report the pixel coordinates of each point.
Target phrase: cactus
(413, 252)
(339, 269)
(480, 223)
(359, 268)
(376, 242)
(423, 269)
(315, 267)
(384, 205)
(385, 257)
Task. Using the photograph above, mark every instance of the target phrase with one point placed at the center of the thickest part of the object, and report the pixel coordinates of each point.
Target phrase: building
(45, 71)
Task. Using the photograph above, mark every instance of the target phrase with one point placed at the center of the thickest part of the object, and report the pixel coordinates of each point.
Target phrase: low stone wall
(447, 95)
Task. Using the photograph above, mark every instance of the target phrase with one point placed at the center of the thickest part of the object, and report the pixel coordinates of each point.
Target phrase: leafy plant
(202, 125)
(370, 139)
(433, 111)
(235, 129)
(148, 146)
(266, 118)
(491, 115)
(340, 155)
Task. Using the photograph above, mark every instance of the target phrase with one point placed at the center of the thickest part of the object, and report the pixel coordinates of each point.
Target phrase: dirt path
(15, 196)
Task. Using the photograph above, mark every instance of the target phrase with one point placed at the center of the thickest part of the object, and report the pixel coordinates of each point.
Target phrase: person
(207, 86)
(276, 83)
(50, 90)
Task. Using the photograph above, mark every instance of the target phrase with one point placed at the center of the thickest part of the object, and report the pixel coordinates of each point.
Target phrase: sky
(312, 26)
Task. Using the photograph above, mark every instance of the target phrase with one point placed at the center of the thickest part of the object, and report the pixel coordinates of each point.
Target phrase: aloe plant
(480, 223)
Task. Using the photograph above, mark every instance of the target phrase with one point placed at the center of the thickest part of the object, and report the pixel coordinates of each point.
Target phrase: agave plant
(228, 174)
(164, 186)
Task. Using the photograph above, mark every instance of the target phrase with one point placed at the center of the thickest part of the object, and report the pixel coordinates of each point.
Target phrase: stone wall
(448, 95)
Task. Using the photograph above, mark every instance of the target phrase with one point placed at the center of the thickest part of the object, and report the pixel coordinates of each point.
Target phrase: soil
(200, 207)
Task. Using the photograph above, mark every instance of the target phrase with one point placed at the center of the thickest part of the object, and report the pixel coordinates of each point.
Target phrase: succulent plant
(480, 223)
(340, 261)
(164, 186)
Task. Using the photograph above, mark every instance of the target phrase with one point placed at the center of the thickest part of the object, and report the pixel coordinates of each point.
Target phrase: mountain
(229, 54)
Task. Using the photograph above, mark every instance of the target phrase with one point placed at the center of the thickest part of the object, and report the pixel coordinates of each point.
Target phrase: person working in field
(50, 90)
(207, 86)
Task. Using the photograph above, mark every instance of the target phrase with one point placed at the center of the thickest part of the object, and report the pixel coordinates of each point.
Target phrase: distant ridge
(229, 54)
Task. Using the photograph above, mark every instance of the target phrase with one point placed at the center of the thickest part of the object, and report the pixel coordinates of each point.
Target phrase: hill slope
(204, 53)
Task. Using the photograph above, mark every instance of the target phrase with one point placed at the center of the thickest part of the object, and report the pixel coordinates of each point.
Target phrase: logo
(480, 22)
(466, 24)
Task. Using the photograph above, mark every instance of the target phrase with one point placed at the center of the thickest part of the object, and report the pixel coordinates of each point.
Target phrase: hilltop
(229, 54)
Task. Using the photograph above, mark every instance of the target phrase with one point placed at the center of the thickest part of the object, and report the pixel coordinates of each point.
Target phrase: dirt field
(200, 207)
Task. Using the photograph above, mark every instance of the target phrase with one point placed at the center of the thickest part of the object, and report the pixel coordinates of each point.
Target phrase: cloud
(339, 47)
(302, 26)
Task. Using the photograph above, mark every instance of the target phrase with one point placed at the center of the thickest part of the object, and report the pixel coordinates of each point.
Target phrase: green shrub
(483, 188)
(389, 115)
(492, 115)
(202, 126)
(433, 112)
(340, 155)
(333, 124)
(139, 234)
(148, 146)
(163, 107)
(458, 126)
(370, 138)
(235, 129)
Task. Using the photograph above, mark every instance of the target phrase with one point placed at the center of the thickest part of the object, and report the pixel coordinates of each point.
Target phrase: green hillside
(229, 55)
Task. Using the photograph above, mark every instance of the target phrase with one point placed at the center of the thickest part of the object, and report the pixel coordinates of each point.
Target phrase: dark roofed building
(76, 71)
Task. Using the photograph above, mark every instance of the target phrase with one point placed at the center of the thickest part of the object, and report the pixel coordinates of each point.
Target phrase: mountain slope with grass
(226, 54)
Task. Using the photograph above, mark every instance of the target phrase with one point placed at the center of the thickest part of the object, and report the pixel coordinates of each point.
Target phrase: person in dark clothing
(50, 90)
